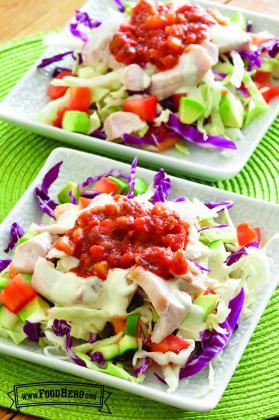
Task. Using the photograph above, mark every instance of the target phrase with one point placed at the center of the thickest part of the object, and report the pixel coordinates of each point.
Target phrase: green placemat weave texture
(253, 391)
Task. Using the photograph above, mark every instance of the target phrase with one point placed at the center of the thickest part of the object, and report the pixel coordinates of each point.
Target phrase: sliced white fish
(120, 123)
(229, 37)
(135, 78)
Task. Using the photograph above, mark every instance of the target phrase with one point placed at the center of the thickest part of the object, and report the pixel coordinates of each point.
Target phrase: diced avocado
(253, 111)
(215, 244)
(28, 235)
(76, 121)
(110, 351)
(27, 277)
(231, 111)
(8, 319)
(218, 250)
(194, 317)
(123, 186)
(140, 186)
(16, 334)
(240, 19)
(208, 303)
(190, 110)
(182, 148)
(127, 343)
(3, 282)
(36, 305)
(63, 195)
(132, 324)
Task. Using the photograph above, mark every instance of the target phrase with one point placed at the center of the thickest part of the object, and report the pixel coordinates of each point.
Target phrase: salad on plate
(161, 75)
(119, 278)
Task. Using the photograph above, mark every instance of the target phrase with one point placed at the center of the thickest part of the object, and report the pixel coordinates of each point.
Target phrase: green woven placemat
(253, 391)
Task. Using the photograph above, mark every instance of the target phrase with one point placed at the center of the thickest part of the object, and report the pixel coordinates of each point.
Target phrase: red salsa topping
(126, 233)
(160, 34)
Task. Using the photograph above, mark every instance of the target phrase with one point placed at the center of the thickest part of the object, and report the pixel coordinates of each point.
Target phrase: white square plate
(191, 393)
(28, 96)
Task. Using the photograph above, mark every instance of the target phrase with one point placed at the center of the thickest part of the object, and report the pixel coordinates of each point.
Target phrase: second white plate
(29, 95)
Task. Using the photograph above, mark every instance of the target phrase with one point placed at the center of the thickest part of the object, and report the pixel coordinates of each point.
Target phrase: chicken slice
(229, 37)
(171, 304)
(120, 123)
(27, 253)
(64, 288)
(65, 220)
(97, 47)
(135, 78)
(191, 68)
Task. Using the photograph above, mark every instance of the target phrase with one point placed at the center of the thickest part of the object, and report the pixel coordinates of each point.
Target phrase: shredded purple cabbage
(243, 91)
(72, 198)
(120, 5)
(213, 227)
(90, 194)
(214, 342)
(142, 368)
(49, 60)
(82, 18)
(249, 26)
(93, 337)
(45, 203)
(160, 379)
(213, 205)
(59, 70)
(271, 46)
(219, 74)
(16, 232)
(97, 357)
(180, 199)
(253, 58)
(99, 133)
(114, 172)
(235, 256)
(132, 176)
(4, 264)
(138, 141)
(162, 185)
(32, 330)
(193, 135)
(200, 267)
(61, 328)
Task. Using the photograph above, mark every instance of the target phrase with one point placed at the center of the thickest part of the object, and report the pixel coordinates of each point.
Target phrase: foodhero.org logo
(60, 393)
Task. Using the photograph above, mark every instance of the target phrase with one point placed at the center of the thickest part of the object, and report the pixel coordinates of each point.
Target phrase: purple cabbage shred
(213, 205)
(93, 337)
(142, 368)
(16, 232)
(72, 198)
(235, 256)
(32, 330)
(132, 177)
(62, 328)
(82, 18)
(213, 227)
(120, 6)
(49, 60)
(213, 342)
(162, 185)
(193, 135)
(97, 357)
(4, 264)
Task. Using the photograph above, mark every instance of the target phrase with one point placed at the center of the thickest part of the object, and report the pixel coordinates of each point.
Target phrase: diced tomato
(106, 186)
(66, 245)
(84, 202)
(179, 264)
(262, 76)
(119, 324)
(12, 271)
(60, 114)
(55, 92)
(176, 99)
(17, 294)
(269, 92)
(101, 269)
(171, 343)
(245, 234)
(145, 108)
(209, 292)
(80, 98)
